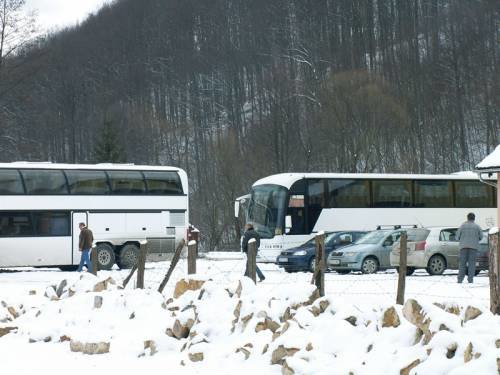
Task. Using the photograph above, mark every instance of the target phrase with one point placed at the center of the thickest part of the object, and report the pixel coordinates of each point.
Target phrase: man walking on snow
(469, 234)
(85, 244)
(250, 233)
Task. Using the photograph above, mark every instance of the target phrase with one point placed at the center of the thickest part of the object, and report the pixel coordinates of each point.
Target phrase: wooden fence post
(141, 264)
(403, 259)
(192, 253)
(127, 279)
(93, 260)
(252, 260)
(494, 272)
(320, 264)
(173, 263)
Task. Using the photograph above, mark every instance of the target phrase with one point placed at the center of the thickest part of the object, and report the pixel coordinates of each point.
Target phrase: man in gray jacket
(469, 234)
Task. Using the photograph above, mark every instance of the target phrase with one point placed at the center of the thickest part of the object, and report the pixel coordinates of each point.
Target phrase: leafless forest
(233, 90)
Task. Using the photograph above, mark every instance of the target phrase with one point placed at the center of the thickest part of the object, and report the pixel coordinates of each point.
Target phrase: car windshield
(373, 237)
(416, 235)
(329, 237)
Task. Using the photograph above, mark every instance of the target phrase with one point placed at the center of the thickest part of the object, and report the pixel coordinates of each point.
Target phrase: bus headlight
(300, 252)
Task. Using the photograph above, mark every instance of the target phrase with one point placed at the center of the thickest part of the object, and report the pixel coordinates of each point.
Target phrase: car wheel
(436, 265)
(370, 265)
(288, 270)
(409, 270)
(128, 257)
(69, 268)
(105, 256)
(312, 264)
(343, 272)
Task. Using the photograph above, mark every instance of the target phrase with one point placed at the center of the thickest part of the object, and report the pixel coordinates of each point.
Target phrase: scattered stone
(453, 309)
(418, 336)
(414, 313)
(286, 369)
(468, 353)
(195, 357)
(12, 311)
(406, 370)
(391, 318)
(97, 302)
(100, 286)
(283, 329)
(309, 347)
(477, 355)
(280, 353)
(497, 343)
(369, 349)
(286, 315)
(184, 285)
(179, 330)
(352, 320)
(246, 352)
(64, 338)
(61, 287)
(267, 324)
(451, 350)
(132, 316)
(6, 330)
(151, 345)
(239, 289)
(236, 313)
(265, 348)
(89, 347)
(471, 313)
(32, 292)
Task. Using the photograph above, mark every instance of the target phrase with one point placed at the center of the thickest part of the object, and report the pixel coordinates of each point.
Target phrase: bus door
(78, 217)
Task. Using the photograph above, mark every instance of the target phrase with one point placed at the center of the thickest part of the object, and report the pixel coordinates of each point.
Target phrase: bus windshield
(266, 209)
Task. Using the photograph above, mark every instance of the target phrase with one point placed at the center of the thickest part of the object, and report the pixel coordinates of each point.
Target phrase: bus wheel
(128, 256)
(436, 265)
(369, 265)
(105, 256)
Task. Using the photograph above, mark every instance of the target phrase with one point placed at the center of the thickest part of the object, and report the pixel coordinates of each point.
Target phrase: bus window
(315, 202)
(473, 194)
(15, 224)
(44, 182)
(10, 182)
(163, 183)
(126, 182)
(391, 193)
(348, 193)
(51, 223)
(297, 212)
(433, 193)
(87, 182)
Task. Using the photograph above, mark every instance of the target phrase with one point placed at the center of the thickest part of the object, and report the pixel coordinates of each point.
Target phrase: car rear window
(419, 234)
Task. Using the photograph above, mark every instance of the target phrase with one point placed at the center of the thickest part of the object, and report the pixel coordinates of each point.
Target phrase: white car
(434, 249)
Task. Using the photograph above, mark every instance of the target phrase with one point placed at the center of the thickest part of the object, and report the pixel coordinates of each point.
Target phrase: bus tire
(370, 265)
(128, 256)
(105, 256)
(436, 265)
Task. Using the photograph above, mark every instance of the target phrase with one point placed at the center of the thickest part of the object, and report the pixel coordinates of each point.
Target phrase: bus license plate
(283, 259)
(335, 261)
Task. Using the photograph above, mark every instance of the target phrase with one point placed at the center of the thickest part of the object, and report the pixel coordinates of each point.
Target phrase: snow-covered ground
(130, 317)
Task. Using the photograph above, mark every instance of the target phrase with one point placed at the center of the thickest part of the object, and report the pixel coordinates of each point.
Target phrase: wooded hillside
(234, 90)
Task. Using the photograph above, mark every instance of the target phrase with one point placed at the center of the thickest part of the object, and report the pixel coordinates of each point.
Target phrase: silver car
(436, 250)
(369, 254)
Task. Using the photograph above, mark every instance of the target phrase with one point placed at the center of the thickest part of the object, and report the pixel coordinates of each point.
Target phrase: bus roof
(287, 179)
(102, 166)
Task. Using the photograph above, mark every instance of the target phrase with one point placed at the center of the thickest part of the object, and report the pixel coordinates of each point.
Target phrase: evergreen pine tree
(108, 148)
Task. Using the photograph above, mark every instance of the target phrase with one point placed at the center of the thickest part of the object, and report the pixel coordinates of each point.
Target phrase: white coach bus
(288, 208)
(41, 205)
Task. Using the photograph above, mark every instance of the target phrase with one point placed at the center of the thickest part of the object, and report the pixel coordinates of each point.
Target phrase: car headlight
(349, 254)
(300, 252)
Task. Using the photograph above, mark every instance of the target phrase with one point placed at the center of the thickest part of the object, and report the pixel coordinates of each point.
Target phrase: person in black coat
(250, 233)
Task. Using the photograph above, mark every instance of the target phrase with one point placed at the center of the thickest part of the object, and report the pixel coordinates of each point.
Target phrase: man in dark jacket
(251, 233)
(85, 244)
(469, 234)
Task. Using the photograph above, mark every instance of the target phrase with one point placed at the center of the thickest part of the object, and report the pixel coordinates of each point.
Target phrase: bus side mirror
(288, 223)
(236, 209)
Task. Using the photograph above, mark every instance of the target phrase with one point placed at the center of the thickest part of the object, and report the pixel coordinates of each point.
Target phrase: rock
(468, 353)
(100, 286)
(414, 313)
(50, 293)
(264, 349)
(352, 320)
(369, 349)
(32, 292)
(97, 302)
(471, 313)
(451, 350)
(286, 369)
(6, 330)
(286, 315)
(309, 347)
(12, 311)
(195, 357)
(184, 285)
(280, 353)
(418, 336)
(497, 343)
(391, 318)
(453, 309)
(267, 324)
(89, 347)
(179, 330)
(246, 352)
(151, 345)
(236, 313)
(477, 355)
(64, 338)
(281, 331)
(406, 370)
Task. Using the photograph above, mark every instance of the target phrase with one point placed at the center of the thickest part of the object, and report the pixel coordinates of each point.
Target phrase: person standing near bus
(469, 234)
(250, 233)
(85, 245)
